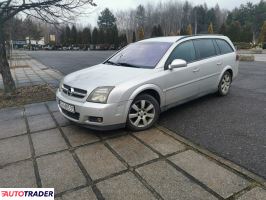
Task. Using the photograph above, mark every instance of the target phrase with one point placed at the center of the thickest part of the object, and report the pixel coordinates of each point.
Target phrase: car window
(217, 49)
(184, 51)
(140, 54)
(205, 48)
(224, 46)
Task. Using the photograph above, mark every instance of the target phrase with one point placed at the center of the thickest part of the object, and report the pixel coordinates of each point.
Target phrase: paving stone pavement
(39, 148)
(27, 71)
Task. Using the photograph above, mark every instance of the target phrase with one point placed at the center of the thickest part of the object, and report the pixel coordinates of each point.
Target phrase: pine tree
(86, 36)
(79, 39)
(107, 35)
(189, 30)
(154, 31)
(210, 28)
(101, 37)
(73, 35)
(115, 37)
(234, 31)
(106, 19)
(122, 40)
(67, 36)
(223, 29)
(134, 37)
(262, 38)
(63, 38)
(159, 31)
(94, 37)
(125, 39)
(183, 31)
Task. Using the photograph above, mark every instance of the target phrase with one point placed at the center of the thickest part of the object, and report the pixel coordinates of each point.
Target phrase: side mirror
(177, 63)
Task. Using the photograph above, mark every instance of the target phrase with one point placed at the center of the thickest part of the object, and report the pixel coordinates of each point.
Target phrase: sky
(115, 5)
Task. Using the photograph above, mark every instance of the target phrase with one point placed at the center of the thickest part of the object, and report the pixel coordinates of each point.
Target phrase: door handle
(219, 63)
(196, 69)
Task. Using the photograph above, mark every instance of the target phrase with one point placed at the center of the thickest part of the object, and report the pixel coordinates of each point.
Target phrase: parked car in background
(49, 47)
(112, 47)
(76, 48)
(136, 84)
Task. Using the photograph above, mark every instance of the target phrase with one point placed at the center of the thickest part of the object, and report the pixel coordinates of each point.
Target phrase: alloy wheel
(226, 82)
(141, 113)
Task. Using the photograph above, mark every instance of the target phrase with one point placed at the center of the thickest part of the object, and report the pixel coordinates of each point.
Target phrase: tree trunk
(8, 81)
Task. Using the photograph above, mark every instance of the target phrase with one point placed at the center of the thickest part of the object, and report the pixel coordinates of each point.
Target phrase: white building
(35, 42)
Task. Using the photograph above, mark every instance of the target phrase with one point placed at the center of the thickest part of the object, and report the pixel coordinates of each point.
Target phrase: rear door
(227, 55)
(208, 64)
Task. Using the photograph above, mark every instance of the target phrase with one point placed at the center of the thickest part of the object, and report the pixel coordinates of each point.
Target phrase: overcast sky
(115, 5)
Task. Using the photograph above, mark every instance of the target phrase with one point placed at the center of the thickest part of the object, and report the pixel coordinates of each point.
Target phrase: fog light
(96, 119)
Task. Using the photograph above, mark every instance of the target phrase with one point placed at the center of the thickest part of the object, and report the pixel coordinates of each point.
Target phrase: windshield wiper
(112, 63)
(128, 65)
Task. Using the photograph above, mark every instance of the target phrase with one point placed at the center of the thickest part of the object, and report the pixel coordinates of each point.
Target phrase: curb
(247, 57)
(249, 175)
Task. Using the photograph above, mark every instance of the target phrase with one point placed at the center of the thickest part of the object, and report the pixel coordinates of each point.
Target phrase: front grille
(74, 92)
(70, 114)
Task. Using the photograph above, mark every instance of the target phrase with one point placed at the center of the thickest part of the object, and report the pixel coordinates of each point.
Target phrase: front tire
(143, 113)
(225, 84)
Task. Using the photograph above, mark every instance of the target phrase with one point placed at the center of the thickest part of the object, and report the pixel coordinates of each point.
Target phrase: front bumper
(113, 115)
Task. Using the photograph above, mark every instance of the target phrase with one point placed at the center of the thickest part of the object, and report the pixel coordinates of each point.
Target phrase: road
(69, 61)
(233, 127)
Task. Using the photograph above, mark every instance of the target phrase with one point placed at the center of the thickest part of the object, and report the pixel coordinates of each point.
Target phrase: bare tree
(50, 11)
(172, 16)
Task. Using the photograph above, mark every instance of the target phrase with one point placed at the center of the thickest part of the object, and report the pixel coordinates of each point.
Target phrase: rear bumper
(113, 115)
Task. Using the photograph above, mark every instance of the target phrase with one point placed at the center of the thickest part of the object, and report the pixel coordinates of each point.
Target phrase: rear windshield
(141, 54)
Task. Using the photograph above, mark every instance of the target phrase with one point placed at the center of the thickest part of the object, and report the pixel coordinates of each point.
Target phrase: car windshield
(140, 55)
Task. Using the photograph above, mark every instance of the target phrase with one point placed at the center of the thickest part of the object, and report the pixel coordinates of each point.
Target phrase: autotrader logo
(26, 193)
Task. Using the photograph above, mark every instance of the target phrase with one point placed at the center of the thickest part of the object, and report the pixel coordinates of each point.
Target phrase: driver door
(182, 83)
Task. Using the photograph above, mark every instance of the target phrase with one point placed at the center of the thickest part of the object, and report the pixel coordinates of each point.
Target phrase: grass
(26, 95)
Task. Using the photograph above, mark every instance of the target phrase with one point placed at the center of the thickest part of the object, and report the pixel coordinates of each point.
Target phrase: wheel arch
(227, 68)
(151, 89)
(155, 92)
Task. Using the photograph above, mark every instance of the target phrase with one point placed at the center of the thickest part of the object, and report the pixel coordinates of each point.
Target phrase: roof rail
(187, 36)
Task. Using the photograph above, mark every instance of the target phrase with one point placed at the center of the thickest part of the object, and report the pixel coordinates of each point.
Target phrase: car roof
(170, 39)
(173, 39)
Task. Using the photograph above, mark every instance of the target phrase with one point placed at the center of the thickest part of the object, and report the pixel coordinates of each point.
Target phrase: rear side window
(224, 47)
(184, 51)
(205, 48)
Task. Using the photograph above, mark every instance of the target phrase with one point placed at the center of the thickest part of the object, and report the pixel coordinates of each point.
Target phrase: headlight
(61, 84)
(100, 94)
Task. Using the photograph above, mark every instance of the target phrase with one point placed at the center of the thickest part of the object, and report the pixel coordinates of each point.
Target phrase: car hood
(103, 75)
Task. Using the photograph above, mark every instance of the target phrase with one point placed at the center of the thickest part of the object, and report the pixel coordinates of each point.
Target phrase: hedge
(243, 45)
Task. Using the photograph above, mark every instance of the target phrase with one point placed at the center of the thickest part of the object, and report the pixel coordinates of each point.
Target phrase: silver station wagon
(136, 84)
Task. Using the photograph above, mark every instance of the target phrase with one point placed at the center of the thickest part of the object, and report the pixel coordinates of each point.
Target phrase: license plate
(67, 107)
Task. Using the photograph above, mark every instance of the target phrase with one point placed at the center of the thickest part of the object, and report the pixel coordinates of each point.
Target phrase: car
(76, 48)
(48, 47)
(133, 86)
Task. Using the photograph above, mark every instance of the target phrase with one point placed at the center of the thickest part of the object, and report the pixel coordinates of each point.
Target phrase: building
(18, 44)
(35, 42)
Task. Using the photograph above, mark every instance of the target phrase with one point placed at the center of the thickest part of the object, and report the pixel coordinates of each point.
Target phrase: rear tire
(143, 113)
(225, 84)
